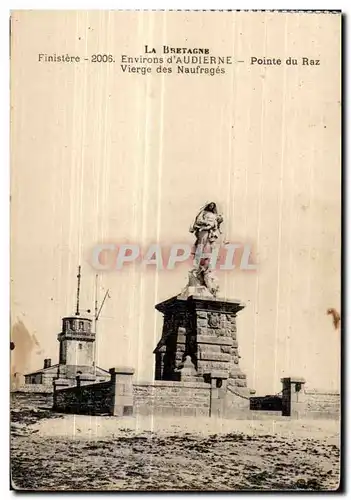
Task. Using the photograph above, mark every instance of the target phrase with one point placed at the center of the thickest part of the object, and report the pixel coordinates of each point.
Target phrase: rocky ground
(67, 452)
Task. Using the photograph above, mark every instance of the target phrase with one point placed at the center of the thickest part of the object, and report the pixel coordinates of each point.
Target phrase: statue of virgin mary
(206, 226)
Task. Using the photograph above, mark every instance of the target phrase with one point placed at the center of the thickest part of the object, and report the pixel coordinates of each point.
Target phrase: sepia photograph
(175, 253)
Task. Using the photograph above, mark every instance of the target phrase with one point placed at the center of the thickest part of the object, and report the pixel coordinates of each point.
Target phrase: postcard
(175, 250)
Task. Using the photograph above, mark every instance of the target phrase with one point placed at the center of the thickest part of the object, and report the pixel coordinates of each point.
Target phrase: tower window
(80, 346)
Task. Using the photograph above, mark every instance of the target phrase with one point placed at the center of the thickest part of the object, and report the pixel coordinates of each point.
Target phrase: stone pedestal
(293, 397)
(202, 328)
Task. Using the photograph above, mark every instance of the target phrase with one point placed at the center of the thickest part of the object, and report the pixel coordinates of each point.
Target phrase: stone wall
(314, 404)
(34, 388)
(114, 397)
(170, 398)
(94, 399)
(194, 398)
(120, 396)
(167, 398)
(322, 404)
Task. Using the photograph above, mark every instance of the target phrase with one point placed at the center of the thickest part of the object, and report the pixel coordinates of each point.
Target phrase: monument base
(199, 340)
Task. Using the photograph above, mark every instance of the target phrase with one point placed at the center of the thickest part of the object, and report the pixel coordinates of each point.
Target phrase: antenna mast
(97, 312)
(102, 304)
(78, 291)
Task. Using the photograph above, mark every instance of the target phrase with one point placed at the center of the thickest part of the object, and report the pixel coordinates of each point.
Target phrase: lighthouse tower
(77, 353)
(77, 346)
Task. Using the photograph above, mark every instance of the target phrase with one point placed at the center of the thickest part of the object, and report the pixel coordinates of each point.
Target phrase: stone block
(180, 347)
(226, 349)
(210, 348)
(201, 314)
(240, 383)
(181, 338)
(201, 322)
(226, 332)
(235, 371)
(211, 339)
(177, 412)
(203, 330)
(121, 370)
(220, 374)
(209, 366)
(189, 378)
(214, 320)
(188, 412)
(212, 356)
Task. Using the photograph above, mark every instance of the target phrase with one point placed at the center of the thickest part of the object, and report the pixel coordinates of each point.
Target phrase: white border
(176, 5)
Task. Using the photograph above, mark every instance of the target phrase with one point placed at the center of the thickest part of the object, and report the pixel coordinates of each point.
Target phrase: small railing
(233, 391)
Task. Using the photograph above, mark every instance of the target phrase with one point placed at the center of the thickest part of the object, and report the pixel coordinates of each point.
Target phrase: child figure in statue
(206, 226)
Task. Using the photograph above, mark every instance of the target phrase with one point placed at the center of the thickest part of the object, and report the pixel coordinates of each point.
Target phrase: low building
(49, 373)
(43, 376)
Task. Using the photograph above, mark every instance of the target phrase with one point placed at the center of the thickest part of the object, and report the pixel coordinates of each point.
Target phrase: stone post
(218, 392)
(121, 391)
(293, 397)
